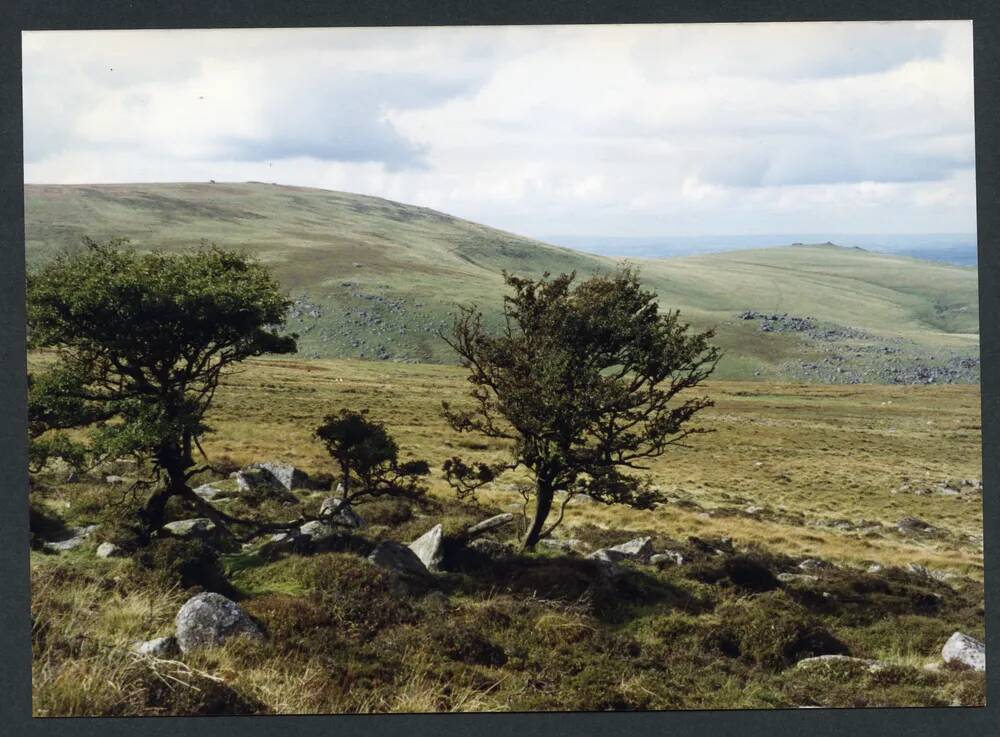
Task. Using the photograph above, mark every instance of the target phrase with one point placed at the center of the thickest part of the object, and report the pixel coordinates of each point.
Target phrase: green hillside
(377, 279)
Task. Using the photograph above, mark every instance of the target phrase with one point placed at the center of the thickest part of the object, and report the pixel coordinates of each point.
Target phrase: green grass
(547, 631)
(408, 267)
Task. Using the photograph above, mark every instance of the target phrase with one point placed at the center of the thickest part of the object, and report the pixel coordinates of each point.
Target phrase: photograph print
(503, 369)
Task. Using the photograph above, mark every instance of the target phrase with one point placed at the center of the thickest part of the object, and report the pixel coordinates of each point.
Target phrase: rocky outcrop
(161, 647)
(490, 524)
(337, 511)
(638, 549)
(964, 650)
(210, 620)
(667, 558)
(78, 536)
(109, 550)
(200, 527)
(398, 559)
(429, 548)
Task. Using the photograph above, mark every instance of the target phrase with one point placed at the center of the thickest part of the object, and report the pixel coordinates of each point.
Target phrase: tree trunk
(154, 514)
(543, 505)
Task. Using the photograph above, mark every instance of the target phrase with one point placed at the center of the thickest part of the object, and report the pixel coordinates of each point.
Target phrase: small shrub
(189, 563)
(771, 631)
(362, 598)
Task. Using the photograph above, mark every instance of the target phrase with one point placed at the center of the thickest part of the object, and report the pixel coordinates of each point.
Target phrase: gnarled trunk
(544, 492)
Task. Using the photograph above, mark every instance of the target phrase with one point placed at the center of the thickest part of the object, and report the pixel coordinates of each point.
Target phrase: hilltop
(373, 278)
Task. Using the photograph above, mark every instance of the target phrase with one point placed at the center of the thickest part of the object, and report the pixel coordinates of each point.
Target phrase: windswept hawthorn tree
(367, 458)
(142, 341)
(582, 381)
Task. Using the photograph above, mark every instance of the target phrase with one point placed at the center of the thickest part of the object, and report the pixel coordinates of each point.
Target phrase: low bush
(772, 631)
(187, 563)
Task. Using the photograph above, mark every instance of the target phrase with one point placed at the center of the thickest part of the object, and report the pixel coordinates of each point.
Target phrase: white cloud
(617, 130)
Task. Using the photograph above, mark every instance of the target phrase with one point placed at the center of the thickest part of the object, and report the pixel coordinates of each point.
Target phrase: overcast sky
(590, 130)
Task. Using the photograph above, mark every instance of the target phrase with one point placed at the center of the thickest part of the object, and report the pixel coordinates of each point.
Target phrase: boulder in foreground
(209, 620)
(429, 548)
(966, 651)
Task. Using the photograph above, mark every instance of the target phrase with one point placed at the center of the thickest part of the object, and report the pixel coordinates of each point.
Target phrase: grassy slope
(806, 455)
(386, 276)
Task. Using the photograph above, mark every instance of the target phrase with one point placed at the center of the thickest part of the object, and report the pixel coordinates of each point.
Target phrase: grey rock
(78, 536)
(875, 568)
(320, 531)
(398, 559)
(667, 558)
(109, 550)
(161, 647)
(259, 478)
(915, 526)
(965, 650)
(429, 548)
(915, 569)
(565, 544)
(197, 527)
(114, 480)
(209, 620)
(492, 523)
(336, 511)
(825, 661)
(208, 492)
(282, 543)
(639, 548)
(285, 474)
(797, 577)
(811, 564)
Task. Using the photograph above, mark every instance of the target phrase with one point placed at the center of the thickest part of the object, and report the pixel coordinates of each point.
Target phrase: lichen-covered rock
(845, 662)
(209, 620)
(320, 531)
(966, 651)
(198, 527)
(667, 558)
(429, 548)
(399, 559)
(282, 543)
(78, 536)
(568, 545)
(637, 549)
(811, 564)
(160, 647)
(208, 492)
(492, 523)
(285, 474)
(797, 578)
(109, 550)
(339, 512)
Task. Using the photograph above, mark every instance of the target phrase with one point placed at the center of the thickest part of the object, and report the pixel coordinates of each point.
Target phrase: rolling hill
(374, 278)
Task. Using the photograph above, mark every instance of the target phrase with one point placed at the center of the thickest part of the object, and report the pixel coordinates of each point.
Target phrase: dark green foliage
(189, 563)
(143, 339)
(362, 598)
(745, 572)
(368, 458)
(581, 382)
(771, 631)
(44, 523)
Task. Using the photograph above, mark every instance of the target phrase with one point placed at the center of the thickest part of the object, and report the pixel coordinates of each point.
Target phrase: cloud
(637, 130)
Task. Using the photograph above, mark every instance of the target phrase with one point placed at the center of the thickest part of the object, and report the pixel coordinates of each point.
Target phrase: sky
(631, 131)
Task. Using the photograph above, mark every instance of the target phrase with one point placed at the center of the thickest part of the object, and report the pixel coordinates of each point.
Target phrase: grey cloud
(820, 51)
(343, 119)
(826, 160)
